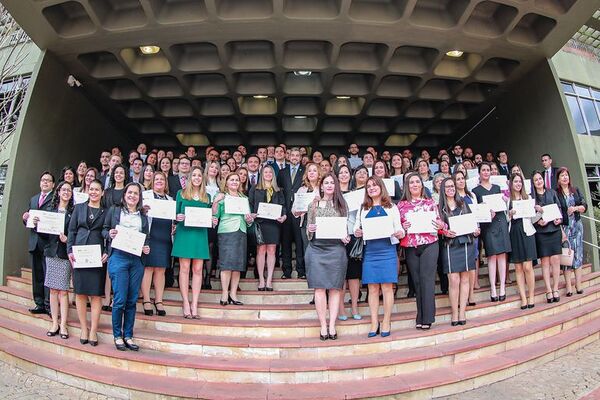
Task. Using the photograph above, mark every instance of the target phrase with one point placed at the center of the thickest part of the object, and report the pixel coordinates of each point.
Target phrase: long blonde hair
(305, 180)
(187, 192)
(261, 181)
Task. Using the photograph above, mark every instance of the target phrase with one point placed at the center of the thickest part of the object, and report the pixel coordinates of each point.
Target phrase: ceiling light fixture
(455, 53)
(303, 73)
(300, 116)
(149, 49)
(260, 96)
(342, 97)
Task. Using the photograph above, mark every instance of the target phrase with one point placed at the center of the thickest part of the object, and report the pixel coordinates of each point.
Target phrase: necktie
(280, 167)
(183, 181)
(293, 173)
(253, 179)
(107, 181)
(548, 184)
(42, 199)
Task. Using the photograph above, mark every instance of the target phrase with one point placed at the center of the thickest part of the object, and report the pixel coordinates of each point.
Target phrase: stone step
(179, 336)
(445, 380)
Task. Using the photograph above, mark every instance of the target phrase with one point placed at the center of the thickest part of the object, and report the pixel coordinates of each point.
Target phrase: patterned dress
(575, 235)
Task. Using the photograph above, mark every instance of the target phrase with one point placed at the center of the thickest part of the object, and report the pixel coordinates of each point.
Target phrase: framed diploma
(269, 211)
(52, 223)
(303, 200)
(463, 224)
(551, 212)
(237, 205)
(331, 227)
(523, 208)
(198, 217)
(495, 201)
(89, 256)
(163, 209)
(390, 186)
(499, 180)
(421, 221)
(399, 179)
(354, 199)
(377, 227)
(482, 213)
(79, 197)
(129, 240)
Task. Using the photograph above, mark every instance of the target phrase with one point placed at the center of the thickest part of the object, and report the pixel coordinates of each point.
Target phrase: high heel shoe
(333, 336)
(268, 288)
(149, 312)
(494, 299)
(569, 294)
(160, 313)
(235, 302)
(52, 333)
(64, 335)
(453, 323)
(223, 303)
(580, 291)
(93, 343)
(556, 298)
(530, 305)
(325, 336)
(549, 299)
(462, 322)
(373, 334)
(261, 289)
(471, 304)
(524, 307)
(502, 297)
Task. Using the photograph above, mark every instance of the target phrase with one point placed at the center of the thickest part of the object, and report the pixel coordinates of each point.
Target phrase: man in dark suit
(179, 181)
(290, 180)
(279, 162)
(254, 164)
(457, 154)
(105, 179)
(550, 172)
(41, 201)
(503, 166)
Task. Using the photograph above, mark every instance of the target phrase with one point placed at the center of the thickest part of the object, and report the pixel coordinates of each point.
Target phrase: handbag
(260, 240)
(566, 258)
(356, 252)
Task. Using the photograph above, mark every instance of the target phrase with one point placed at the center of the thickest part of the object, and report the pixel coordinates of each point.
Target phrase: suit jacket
(34, 239)
(579, 201)
(504, 170)
(284, 180)
(84, 230)
(547, 198)
(174, 185)
(113, 218)
(553, 178)
(276, 168)
(257, 196)
(54, 247)
(454, 161)
(250, 185)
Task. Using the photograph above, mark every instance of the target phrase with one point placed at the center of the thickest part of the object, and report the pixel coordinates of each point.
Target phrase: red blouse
(418, 239)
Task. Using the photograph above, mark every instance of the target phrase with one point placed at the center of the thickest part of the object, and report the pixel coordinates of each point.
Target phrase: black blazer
(284, 180)
(174, 185)
(579, 201)
(553, 178)
(276, 168)
(250, 185)
(113, 218)
(54, 247)
(504, 170)
(112, 197)
(547, 198)
(34, 238)
(84, 230)
(257, 196)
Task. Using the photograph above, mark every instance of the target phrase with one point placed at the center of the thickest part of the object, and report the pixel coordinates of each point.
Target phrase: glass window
(591, 116)
(577, 115)
(596, 93)
(568, 88)
(582, 91)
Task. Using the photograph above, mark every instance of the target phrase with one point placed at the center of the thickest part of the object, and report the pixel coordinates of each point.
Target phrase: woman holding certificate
(85, 229)
(421, 243)
(156, 263)
(311, 181)
(232, 237)
(114, 194)
(522, 242)
(125, 269)
(458, 251)
(548, 236)
(496, 240)
(378, 223)
(212, 181)
(191, 242)
(380, 170)
(325, 258)
(572, 204)
(267, 192)
(58, 268)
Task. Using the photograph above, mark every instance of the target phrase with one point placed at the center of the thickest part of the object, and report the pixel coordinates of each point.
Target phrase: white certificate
(198, 217)
(523, 208)
(495, 201)
(551, 212)
(147, 194)
(80, 197)
(354, 199)
(370, 171)
(269, 211)
(212, 191)
(303, 200)
(163, 209)
(390, 186)
(32, 215)
(429, 185)
(399, 179)
(421, 221)
(473, 173)
(236, 205)
(129, 240)
(89, 256)
(499, 180)
(472, 183)
(482, 212)
(377, 227)
(463, 224)
(52, 223)
(331, 227)
(527, 186)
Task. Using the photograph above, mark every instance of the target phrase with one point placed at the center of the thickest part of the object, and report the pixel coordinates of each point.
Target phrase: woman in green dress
(191, 243)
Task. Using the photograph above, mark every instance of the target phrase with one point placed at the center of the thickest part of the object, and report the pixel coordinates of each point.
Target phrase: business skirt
(326, 263)
(457, 257)
(380, 262)
(89, 281)
(548, 244)
(232, 251)
(58, 273)
(523, 246)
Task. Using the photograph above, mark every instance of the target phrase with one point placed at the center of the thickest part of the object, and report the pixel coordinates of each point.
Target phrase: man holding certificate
(124, 226)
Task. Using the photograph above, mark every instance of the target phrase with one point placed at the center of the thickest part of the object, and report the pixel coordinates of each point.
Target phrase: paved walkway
(570, 377)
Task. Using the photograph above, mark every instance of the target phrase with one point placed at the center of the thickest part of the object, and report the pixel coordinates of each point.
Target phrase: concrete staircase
(269, 348)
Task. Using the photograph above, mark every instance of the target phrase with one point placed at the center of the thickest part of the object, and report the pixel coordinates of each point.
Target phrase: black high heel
(235, 302)
(454, 323)
(580, 291)
(53, 333)
(223, 303)
(462, 322)
(149, 312)
(333, 337)
(502, 298)
(64, 335)
(549, 299)
(556, 299)
(325, 336)
(494, 299)
(569, 294)
(160, 313)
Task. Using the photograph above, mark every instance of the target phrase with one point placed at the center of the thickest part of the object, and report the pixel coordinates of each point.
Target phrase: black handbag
(258, 234)
(356, 252)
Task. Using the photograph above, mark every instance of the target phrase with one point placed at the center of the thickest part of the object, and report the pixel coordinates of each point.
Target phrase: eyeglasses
(46, 180)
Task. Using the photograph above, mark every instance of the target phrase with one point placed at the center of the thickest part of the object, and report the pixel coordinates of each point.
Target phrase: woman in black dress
(380, 169)
(267, 191)
(494, 234)
(522, 241)
(161, 244)
(85, 228)
(547, 237)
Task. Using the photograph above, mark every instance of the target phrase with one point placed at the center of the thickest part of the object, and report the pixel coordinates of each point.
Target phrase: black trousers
(291, 233)
(440, 271)
(41, 294)
(422, 264)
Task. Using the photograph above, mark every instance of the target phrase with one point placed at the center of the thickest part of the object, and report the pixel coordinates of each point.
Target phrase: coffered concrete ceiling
(321, 72)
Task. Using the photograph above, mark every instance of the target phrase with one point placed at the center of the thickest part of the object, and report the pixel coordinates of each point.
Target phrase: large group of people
(404, 218)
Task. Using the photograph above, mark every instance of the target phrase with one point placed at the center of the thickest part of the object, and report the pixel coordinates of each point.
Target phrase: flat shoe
(129, 343)
(343, 317)
(357, 317)
(120, 344)
(107, 308)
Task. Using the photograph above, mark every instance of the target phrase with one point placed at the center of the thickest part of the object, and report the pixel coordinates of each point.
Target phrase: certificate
(482, 213)
(331, 227)
(303, 200)
(495, 201)
(473, 173)
(236, 205)
(354, 199)
(212, 191)
(472, 183)
(523, 208)
(198, 217)
(129, 240)
(527, 186)
(464, 224)
(499, 180)
(269, 211)
(163, 209)
(551, 212)
(89, 256)
(32, 215)
(429, 185)
(421, 221)
(390, 186)
(377, 227)
(399, 179)
(52, 223)
(147, 194)
(434, 168)
(80, 197)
